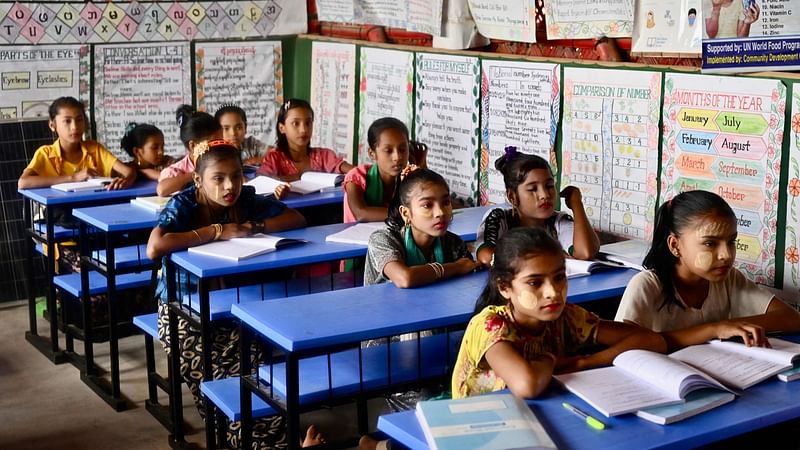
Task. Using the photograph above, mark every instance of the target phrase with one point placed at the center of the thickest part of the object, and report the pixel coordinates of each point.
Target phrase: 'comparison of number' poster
(520, 108)
(610, 146)
(333, 81)
(447, 119)
(246, 74)
(387, 85)
(724, 135)
(143, 83)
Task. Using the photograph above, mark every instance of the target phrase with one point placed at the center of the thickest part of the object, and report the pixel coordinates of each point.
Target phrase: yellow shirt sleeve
(40, 163)
(105, 160)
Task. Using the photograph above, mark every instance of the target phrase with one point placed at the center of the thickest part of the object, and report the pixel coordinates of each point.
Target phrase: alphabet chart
(333, 81)
(724, 135)
(610, 146)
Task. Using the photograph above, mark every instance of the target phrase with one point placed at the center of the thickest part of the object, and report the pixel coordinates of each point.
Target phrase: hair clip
(179, 119)
(407, 170)
(201, 148)
(491, 261)
(511, 152)
(130, 127)
(287, 105)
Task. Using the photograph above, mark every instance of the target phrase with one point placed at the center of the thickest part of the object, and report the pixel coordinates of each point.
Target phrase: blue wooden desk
(765, 404)
(320, 323)
(49, 198)
(109, 223)
(327, 197)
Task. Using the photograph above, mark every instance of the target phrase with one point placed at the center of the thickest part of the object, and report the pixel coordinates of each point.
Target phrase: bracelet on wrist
(217, 231)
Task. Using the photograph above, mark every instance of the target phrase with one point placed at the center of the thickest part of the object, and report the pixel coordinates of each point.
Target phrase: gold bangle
(217, 231)
(199, 239)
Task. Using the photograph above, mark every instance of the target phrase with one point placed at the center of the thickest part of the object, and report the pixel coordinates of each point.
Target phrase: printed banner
(610, 146)
(751, 35)
(724, 135)
(520, 107)
(143, 83)
(386, 88)
(424, 16)
(333, 86)
(101, 22)
(32, 77)
(510, 20)
(668, 27)
(446, 119)
(791, 265)
(582, 19)
(246, 74)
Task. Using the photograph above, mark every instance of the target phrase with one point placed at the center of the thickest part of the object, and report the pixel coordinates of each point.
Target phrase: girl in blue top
(217, 207)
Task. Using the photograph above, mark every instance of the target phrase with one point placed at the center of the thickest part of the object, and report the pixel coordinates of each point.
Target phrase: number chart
(724, 135)
(610, 146)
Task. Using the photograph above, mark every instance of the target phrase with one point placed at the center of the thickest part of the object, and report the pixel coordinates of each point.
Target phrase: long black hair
(281, 143)
(402, 194)
(195, 125)
(673, 217)
(136, 135)
(514, 247)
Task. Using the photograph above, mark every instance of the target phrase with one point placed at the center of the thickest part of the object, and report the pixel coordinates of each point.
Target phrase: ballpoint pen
(591, 421)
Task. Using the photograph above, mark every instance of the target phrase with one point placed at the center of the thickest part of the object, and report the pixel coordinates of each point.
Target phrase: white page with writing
(782, 352)
(731, 368)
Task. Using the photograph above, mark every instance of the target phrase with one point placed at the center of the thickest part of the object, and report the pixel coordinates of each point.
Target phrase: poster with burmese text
(333, 80)
(446, 119)
(791, 263)
(386, 89)
(724, 135)
(610, 146)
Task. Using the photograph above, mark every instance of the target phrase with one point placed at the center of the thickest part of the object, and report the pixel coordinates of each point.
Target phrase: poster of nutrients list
(724, 135)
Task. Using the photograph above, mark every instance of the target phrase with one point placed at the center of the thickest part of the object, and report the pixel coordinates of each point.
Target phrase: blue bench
(71, 283)
(59, 232)
(223, 397)
(149, 324)
(406, 367)
(124, 257)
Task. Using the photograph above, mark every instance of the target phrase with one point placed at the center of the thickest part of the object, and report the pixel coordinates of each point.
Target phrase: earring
(676, 253)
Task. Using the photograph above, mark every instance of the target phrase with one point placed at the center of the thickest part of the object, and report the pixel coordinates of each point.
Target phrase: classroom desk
(50, 198)
(326, 197)
(110, 223)
(311, 330)
(765, 404)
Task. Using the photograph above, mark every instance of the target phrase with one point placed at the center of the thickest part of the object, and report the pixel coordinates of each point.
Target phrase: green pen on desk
(591, 421)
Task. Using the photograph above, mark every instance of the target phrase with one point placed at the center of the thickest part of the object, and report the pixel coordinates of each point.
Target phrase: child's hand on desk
(572, 196)
(466, 265)
(83, 175)
(119, 183)
(751, 335)
(235, 230)
(569, 364)
(282, 190)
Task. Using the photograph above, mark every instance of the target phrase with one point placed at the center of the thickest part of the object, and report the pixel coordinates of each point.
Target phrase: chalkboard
(18, 142)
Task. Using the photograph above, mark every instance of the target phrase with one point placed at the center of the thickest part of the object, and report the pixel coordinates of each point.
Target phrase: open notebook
(153, 203)
(237, 249)
(357, 234)
(308, 183)
(92, 184)
(581, 268)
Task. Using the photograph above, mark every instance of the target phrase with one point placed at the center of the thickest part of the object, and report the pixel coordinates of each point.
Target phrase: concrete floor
(47, 406)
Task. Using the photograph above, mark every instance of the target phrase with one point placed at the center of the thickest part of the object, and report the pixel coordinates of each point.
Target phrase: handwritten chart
(247, 74)
(520, 107)
(424, 16)
(610, 146)
(510, 20)
(387, 85)
(447, 119)
(724, 135)
(141, 83)
(584, 19)
(333, 81)
(791, 264)
(31, 77)
(105, 22)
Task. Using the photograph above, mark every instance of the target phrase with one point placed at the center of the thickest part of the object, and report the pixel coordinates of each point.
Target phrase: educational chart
(31, 77)
(751, 36)
(724, 135)
(142, 83)
(446, 119)
(333, 81)
(668, 27)
(520, 108)
(387, 85)
(510, 20)
(424, 16)
(610, 146)
(247, 74)
(102, 22)
(791, 264)
(583, 19)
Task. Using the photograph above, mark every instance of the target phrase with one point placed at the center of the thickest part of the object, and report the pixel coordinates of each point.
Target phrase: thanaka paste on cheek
(703, 260)
(528, 300)
(218, 193)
